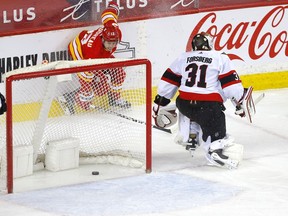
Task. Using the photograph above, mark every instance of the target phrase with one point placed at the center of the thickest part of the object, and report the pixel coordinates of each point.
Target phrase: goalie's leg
(216, 140)
(225, 153)
(188, 134)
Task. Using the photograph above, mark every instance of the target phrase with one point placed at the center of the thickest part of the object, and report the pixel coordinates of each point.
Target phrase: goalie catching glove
(164, 115)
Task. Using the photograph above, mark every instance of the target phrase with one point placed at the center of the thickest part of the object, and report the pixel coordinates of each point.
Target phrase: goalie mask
(166, 118)
(202, 41)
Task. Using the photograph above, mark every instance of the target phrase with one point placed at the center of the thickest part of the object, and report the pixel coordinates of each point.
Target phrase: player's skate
(116, 101)
(66, 102)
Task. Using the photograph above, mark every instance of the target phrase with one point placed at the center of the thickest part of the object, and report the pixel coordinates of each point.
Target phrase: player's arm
(110, 15)
(85, 94)
(164, 115)
(230, 80)
(232, 86)
(75, 47)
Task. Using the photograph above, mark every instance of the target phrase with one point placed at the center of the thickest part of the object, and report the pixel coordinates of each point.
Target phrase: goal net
(47, 104)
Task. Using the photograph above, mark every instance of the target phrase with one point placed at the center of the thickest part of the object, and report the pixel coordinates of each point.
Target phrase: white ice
(179, 185)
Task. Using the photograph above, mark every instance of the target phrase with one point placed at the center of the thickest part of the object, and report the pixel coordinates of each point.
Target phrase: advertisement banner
(263, 36)
(18, 16)
(258, 42)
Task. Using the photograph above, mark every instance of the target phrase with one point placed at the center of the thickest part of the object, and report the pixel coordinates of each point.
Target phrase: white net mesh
(110, 125)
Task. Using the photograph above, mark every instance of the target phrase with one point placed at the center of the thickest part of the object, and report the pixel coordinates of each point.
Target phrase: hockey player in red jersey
(204, 78)
(100, 43)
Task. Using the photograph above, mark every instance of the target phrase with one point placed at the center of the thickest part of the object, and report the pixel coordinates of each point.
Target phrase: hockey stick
(248, 104)
(259, 98)
(127, 117)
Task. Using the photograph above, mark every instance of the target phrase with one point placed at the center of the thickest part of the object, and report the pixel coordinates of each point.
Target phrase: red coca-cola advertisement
(18, 16)
(255, 35)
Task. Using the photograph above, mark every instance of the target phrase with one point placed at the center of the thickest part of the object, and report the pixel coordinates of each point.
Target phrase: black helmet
(202, 41)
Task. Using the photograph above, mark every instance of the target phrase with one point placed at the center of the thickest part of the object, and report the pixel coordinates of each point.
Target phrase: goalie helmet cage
(104, 131)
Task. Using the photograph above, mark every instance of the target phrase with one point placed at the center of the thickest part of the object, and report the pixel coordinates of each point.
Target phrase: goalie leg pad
(234, 152)
(183, 127)
(221, 143)
(225, 153)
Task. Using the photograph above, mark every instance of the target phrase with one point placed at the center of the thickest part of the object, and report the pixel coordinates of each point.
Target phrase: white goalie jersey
(203, 76)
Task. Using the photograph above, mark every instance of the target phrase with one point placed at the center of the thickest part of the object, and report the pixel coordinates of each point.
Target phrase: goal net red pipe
(72, 70)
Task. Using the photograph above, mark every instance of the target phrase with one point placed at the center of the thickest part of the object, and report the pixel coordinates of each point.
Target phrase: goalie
(205, 79)
(100, 43)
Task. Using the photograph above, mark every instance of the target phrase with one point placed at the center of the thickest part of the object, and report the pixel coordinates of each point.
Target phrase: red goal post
(108, 131)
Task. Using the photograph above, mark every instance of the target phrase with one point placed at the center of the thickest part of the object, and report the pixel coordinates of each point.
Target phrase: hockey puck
(95, 173)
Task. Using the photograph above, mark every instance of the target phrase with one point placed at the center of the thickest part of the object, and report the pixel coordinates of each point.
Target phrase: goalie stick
(248, 104)
(259, 98)
(109, 111)
(69, 109)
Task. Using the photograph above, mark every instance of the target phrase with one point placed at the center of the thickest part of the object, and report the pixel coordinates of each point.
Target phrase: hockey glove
(3, 105)
(110, 15)
(239, 105)
(114, 5)
(159, 102)
(164, 116)
(240, 111)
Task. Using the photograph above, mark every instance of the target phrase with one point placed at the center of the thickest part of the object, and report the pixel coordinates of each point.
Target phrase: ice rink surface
(179, 185)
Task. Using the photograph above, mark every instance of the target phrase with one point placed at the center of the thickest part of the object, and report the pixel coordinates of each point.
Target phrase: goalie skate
(192, 144)
(217, 158)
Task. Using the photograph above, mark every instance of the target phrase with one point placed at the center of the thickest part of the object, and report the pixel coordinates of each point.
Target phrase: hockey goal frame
(63, 71)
